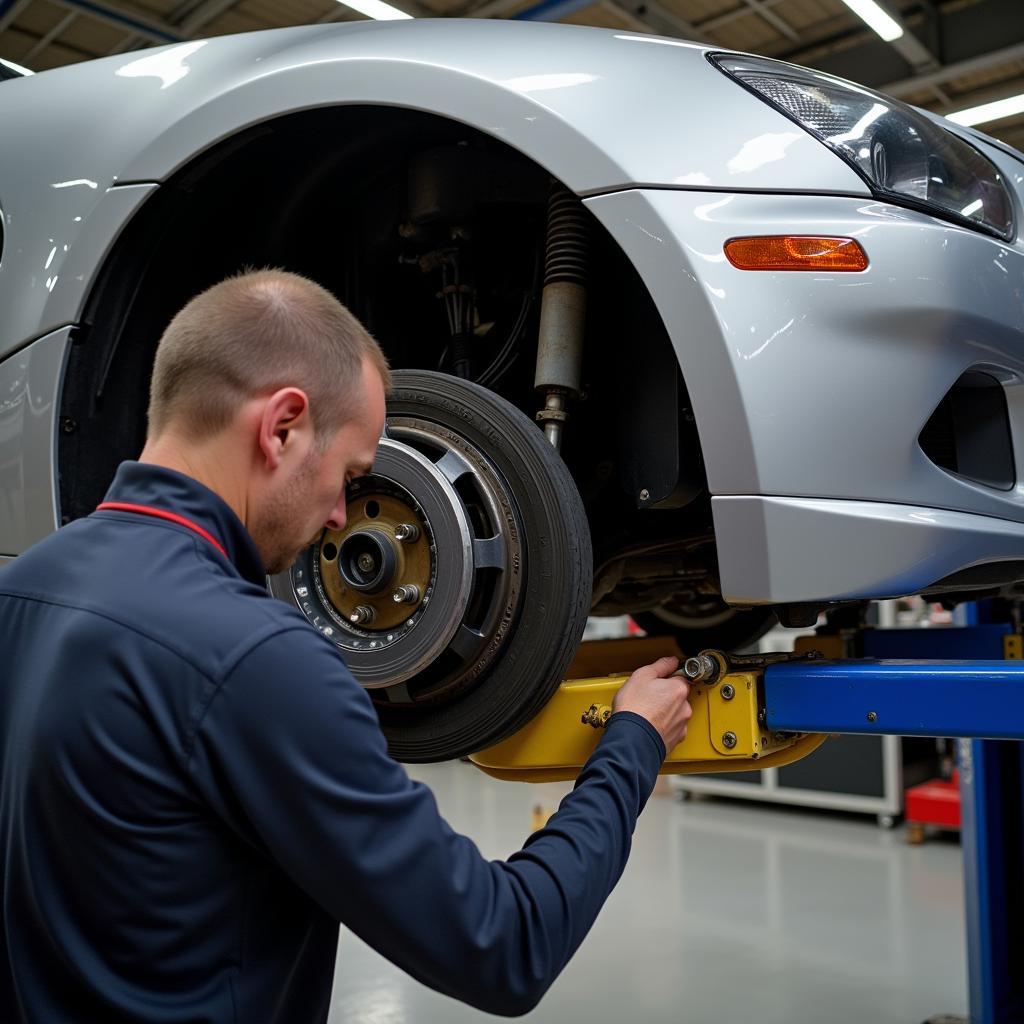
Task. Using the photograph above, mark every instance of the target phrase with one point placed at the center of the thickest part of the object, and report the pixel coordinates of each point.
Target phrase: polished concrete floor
(727, 913)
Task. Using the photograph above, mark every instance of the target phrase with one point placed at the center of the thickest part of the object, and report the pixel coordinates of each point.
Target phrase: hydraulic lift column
(980, 700)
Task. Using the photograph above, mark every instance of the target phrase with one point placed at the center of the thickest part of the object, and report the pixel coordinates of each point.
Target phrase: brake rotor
(421, 587)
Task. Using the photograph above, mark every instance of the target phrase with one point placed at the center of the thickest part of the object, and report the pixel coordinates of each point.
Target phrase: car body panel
(809, 391)
(782, 367)
(29, 401)
(50, 264)
(599, 110)
(800, 550)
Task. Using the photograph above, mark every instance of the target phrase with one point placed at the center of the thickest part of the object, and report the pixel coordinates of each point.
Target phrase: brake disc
(420, 588)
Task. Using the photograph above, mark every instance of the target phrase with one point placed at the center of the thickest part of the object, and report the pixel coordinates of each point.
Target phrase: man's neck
(205, 463)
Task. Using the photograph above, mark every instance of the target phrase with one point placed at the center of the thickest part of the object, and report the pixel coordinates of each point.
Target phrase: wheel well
(361, 199)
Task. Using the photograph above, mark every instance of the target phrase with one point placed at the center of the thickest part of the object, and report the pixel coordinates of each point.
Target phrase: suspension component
(563, 310)
(460, 304)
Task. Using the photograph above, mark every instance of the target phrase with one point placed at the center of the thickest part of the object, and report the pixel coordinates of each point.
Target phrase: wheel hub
(368, 563)
(422, 583)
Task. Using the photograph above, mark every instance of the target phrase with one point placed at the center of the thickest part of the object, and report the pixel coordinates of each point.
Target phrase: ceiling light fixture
(16, 67)
(376, 9)
(989, 111)
(876, 18)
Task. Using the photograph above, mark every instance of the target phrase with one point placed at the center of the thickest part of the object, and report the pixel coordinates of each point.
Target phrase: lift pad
(726, 733)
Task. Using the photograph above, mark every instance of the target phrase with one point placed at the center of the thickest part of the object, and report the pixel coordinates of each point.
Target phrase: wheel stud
(408, 594)
(407, 533)
(363, 615)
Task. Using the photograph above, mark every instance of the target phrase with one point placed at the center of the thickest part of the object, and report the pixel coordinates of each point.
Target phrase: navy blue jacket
(195, 792)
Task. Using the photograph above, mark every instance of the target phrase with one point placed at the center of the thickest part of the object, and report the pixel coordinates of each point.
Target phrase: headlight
(903, 156)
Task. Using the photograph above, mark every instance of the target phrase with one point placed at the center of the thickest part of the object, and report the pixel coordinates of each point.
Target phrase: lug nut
(701, 669)
(408, 594)
(407, 533)
(363, 615)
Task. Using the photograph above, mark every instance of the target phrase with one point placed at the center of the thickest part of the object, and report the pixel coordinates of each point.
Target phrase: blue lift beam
(980, 700)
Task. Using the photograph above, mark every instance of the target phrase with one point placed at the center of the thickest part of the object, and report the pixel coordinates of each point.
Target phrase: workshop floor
(727, 914)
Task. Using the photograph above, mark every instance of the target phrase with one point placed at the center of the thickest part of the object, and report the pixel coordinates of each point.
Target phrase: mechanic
(195, 790)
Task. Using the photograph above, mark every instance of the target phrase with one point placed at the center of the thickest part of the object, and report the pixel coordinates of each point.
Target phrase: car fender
(600, 110)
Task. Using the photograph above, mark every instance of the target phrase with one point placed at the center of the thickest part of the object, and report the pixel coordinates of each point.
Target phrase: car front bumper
(810, 390)
(795, 550)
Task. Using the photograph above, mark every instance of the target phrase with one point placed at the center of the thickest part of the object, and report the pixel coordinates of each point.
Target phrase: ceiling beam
(671, 24)
(44, 41)
(743, 11)
(10, 11)
(631, 20)
(765, 13)
(940, 77)
(139, 24)
(202, 15)
(491, 9)
(914, 52)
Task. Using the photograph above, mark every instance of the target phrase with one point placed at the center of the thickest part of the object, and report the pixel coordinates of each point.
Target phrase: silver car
(692, 335)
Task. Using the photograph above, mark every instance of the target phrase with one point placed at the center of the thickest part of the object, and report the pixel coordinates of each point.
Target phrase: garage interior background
(951, 56)
(720, 901)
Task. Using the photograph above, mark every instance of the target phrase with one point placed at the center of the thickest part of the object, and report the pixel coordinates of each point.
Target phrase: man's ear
(285, 425)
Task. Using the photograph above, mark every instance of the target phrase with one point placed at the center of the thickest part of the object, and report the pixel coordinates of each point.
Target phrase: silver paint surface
(779, 550)
(599, 109)
(817, 385)
(805, 386)
(29, 401)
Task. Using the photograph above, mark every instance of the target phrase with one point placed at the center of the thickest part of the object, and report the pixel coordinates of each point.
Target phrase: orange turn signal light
(796, 252)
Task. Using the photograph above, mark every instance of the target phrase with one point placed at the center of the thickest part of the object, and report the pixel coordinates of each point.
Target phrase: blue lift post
(979, 700)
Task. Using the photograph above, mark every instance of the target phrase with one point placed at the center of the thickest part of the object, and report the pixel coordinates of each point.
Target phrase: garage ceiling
(954, 54)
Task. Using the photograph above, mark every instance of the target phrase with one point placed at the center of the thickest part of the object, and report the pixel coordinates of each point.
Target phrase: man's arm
(289, 752)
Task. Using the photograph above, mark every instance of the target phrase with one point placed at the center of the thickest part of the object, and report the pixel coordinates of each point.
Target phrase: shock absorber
(458, 298)
(563, 311)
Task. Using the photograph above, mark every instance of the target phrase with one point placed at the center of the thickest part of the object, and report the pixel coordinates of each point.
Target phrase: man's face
(299, 507)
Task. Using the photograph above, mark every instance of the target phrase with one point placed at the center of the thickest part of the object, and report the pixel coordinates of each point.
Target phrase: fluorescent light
(989, 111)
(885, 25)
(376, 9)
(16, 67)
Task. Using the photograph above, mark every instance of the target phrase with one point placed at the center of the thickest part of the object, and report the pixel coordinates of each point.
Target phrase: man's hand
(654, 693)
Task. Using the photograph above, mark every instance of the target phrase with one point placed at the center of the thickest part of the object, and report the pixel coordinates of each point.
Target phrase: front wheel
(459, 588)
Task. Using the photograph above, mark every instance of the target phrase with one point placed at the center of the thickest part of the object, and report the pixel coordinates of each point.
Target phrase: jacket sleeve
(288, 751)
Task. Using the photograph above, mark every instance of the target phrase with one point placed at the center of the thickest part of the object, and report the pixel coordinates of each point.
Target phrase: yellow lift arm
(726, 733)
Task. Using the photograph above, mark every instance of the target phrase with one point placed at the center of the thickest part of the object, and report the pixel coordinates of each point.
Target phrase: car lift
(759, 712)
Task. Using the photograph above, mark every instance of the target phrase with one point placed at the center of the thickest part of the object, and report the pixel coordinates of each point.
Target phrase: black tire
(724, 632)
(527, 659)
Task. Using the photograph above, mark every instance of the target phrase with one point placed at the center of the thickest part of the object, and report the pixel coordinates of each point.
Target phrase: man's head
(269, 391)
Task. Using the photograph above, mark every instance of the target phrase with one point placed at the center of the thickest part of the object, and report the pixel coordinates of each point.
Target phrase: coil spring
(568, 242)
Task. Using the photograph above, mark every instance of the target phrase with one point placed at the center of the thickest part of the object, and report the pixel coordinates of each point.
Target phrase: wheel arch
(102, 368)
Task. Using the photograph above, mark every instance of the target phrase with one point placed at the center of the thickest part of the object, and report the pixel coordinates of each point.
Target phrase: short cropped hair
(253, 334)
